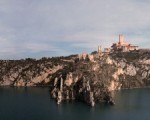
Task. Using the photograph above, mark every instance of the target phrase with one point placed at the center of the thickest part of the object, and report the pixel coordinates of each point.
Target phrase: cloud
(53, 27)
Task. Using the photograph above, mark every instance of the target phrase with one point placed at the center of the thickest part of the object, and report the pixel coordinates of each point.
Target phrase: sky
(46, 28)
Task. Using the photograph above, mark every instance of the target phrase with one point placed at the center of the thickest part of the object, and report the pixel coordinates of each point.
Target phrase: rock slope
(89, 78)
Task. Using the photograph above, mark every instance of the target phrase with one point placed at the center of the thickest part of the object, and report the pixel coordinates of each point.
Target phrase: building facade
(123, 46)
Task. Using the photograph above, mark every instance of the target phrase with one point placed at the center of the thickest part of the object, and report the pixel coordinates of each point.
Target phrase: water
(35, 104)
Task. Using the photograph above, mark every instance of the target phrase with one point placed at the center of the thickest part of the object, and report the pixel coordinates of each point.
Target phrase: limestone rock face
(131, 70)
(144, 74)
(145, 61)
(122, 64)
(29, 72)
(6, 82)
(90, 79)
(114, 85)
(109, 60)
(69, 79)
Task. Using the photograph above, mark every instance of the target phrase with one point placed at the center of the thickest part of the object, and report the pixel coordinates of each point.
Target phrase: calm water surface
(36, 104)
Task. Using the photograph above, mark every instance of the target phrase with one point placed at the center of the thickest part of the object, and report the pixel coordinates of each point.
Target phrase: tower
(99, 49)
(121, 39)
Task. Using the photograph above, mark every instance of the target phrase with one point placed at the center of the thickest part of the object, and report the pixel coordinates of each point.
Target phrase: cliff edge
(89, 78)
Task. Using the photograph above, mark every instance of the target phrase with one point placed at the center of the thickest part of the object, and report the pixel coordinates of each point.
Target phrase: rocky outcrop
(135, 67)
(29, 72)
(71, 78)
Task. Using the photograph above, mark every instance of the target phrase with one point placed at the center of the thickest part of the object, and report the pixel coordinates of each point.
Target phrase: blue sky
(38, 28)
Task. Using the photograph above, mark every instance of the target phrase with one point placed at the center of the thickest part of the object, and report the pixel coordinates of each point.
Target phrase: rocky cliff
(89, 78)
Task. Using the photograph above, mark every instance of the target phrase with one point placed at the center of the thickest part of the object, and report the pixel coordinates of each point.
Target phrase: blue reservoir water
(34, 103)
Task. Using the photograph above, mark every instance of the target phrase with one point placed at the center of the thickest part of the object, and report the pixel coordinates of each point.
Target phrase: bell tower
(121, 39)
(99, 49)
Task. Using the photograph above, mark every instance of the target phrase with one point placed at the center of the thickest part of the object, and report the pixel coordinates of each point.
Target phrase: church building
(123, 46)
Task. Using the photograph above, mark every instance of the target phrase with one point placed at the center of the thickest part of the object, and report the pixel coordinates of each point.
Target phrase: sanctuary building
(123, 46)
